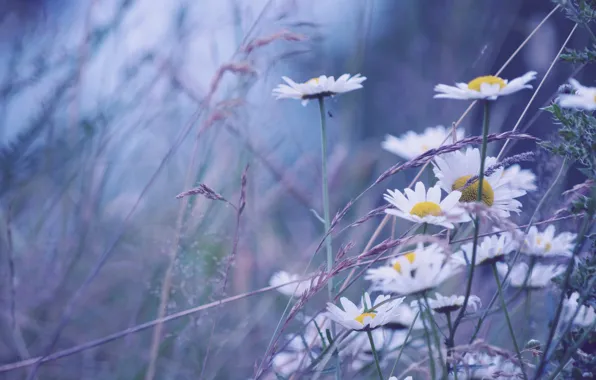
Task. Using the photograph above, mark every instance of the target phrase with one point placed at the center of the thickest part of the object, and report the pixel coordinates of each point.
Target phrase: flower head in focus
(453, 170)
(540, 276)
(422, 206)
(415, 272)
(320, 87)
(584, 97)
(488, 87)
(366, 317)
(547, 244)
(492, 249)
(411, 144)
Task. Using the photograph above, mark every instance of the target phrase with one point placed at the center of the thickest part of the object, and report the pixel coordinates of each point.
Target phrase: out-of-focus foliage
(109, 109)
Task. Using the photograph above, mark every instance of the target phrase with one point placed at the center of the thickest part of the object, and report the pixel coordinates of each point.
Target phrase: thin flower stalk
(485, 128)
(508, 319)
(326, 215)
(433, 324)
(586, 226)
(428, 342)
(375, 354)
(518, 251)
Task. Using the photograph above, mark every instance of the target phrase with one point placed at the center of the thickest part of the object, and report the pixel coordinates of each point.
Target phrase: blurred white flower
(585, 316)
(296, 356)
(367, 316)
(445, 305)
(453, 170)
(540, 276)
(295, 289)
(518, 178)
(491, 249)
(412, 144)
(417, 271)
(584, 97)
(301, 348)
(484, 366)
(405, 378)
(314, 88)
(547, 244)
(404, 319)
(421, 206)
(487, 87)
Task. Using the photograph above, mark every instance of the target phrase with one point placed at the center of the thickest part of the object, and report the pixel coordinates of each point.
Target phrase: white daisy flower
(295, 289)
(584, 97)
(540, 276)
(405, 378)
(368, 316)
(314, 88)
(584, 318)
(492, 249)
(487, 87)
(519, 178)
(547, 244)
(484, 366)
(415, 272)
(421, 206)
(445, 305)
(412, 144)
(453, 170)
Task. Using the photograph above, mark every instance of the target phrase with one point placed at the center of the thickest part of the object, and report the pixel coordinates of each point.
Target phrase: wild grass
(151, 185)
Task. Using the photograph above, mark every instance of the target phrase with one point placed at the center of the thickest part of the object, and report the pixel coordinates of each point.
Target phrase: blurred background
(110, 108)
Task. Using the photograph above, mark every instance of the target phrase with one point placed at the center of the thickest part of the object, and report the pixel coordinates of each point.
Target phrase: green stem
(435, 333)
(485, 124)
(586, 226)
(528, 313)
(518, 251)
(450, 345)
(401, 349)
(572, 350)
(428, 343)
(326, 217)
(509, 325)
(374, 351)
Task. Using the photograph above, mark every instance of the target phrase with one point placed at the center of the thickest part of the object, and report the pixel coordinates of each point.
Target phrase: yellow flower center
(425, 147)
(489, 79)
(361, 317)
(410, 256)
(547, 247)
(470, 194)
(313, 80)
(423, 209)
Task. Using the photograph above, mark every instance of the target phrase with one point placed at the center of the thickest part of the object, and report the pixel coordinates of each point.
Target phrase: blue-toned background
(109, 109)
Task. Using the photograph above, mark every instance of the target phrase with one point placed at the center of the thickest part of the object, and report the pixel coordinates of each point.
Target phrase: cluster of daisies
(379, 330)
